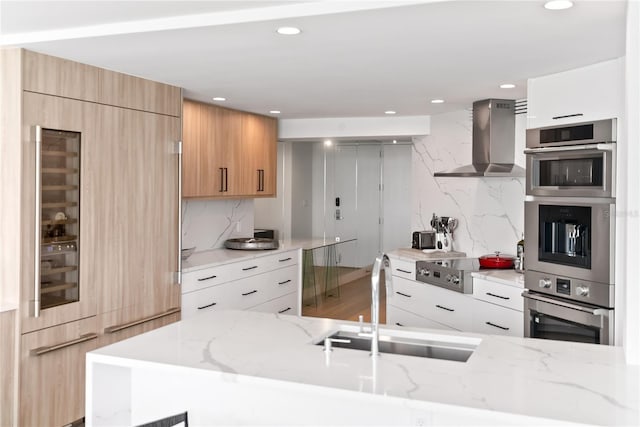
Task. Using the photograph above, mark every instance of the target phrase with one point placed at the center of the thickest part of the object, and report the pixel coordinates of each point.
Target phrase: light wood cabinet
(227, 153)
(128, 232)
(52, 373)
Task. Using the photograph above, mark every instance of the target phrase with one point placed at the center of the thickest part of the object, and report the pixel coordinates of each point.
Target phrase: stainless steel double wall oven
(570, 213)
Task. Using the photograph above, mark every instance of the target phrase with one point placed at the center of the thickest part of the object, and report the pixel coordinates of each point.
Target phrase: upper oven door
(601, 131)
(573, 171)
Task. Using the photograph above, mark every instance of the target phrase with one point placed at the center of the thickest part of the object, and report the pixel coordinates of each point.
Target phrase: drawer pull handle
(399, 324)
(497, 296)
(249, 268)
(403, 271)
(284, 260)
(285, 310)
(497, 326)
(48, 349)
(404, 295)
(286, 281)
(444, 308)
(207, 278)
(207, 306)
(568, 115)
(112, 329)
(249, 293)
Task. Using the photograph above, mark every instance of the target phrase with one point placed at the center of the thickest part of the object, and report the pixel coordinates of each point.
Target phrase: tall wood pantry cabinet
(228, 153)
(89, 158)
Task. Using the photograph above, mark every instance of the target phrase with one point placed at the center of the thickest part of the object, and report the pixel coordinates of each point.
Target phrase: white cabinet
(594, 92)
(270, 283)
(497, 308)
(417, 304)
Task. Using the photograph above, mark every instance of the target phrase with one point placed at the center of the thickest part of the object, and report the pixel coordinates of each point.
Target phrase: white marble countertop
(507, 276)
(563, 381)
(220, 256)
(409, 254)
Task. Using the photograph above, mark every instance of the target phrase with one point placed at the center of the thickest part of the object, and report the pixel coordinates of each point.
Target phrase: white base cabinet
(270, 283)
(497, 308)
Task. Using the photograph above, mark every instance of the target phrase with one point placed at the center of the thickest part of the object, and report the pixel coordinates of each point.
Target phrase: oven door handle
(592, 147)
(594, 311)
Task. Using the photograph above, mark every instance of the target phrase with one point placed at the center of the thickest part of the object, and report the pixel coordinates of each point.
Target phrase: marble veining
(490, 211)
(206, 224)
(556, 380)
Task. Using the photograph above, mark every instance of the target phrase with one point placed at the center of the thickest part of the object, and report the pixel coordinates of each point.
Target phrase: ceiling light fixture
(558, 4)
(507, 86)
(219, 98)
(437, 101)
(275, 111)
(395, 141)
(288, 31)
(389, 112)
(327, 143)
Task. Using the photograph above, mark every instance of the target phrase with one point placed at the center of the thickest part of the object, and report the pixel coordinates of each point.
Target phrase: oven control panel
(600, 294)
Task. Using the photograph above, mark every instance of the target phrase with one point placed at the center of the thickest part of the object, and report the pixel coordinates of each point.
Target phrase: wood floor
(354, 299)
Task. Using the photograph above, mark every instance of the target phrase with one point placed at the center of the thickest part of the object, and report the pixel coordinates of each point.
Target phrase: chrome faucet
(380, 262)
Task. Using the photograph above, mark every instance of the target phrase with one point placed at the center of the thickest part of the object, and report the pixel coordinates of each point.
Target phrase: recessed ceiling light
(327, 143)
(219, 98)
(507, 86)
(395, 141)
(390, 112)
(275, 111)
(558, 4)
(288, 31)
(437, 101)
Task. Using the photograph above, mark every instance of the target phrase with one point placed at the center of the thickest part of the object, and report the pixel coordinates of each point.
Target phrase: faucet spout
(382, 261)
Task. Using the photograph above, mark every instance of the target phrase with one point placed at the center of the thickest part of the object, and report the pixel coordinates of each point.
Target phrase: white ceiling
(354, 58)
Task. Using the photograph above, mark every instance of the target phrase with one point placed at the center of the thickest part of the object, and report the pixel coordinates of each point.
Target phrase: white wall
(206, 224)
(490, 211)
(301, 187)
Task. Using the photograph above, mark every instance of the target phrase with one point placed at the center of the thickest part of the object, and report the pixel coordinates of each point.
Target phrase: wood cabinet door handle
(48, 349)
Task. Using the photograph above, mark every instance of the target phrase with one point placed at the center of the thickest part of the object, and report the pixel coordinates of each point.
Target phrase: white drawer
(398, 317)
(286, 304)
(200, 279)
(212, 298)
(280, 282)
(448, 307)
(498, 293)
(496, 320)
(408, 295)
(404, 269)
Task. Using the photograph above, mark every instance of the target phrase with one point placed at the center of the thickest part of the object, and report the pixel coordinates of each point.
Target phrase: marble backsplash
(490, 211)
(206, 224)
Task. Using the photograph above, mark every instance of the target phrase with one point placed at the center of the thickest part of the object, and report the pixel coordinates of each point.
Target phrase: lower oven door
(557, 319)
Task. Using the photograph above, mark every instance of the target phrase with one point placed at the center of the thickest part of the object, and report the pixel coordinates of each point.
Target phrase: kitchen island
(243, 367)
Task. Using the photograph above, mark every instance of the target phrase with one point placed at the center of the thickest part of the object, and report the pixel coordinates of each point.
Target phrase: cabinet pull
(207, 278)
(286, 281)
(404, 295)
(568, 115)
(403, 271)
(116, 328)
(399, 324)
(48, 349)
(249, 293)
(249, 268)
(226, 179)
(444, 308)
(284, 260)
(259, 181)
(221, 180)
(38, 218)
(497, 296)
(285, 310)
(497, 326)
(207, 306)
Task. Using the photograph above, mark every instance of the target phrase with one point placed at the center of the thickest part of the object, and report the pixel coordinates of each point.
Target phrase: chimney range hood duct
(493, 141)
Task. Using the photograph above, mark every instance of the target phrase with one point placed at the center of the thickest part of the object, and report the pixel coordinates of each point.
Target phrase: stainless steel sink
(432, 348)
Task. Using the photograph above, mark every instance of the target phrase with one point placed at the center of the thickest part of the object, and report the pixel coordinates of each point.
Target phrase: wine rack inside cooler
(59, 217)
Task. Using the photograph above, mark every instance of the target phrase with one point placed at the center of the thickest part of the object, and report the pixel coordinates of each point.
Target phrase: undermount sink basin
(408, 344)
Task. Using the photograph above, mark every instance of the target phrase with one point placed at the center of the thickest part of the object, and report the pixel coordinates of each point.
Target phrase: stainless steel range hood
(493, 141)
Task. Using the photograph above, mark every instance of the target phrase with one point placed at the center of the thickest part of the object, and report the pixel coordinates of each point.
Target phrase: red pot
(496, 260)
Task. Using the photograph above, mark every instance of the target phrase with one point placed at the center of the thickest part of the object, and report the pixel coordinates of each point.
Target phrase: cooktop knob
(544, 283)
(582, 291)
(455, 280)
(424, 272)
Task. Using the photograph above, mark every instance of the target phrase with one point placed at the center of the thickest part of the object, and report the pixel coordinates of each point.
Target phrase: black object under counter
(265, 233)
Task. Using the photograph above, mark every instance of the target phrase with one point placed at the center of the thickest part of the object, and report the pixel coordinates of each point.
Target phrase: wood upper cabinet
(227, 153)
